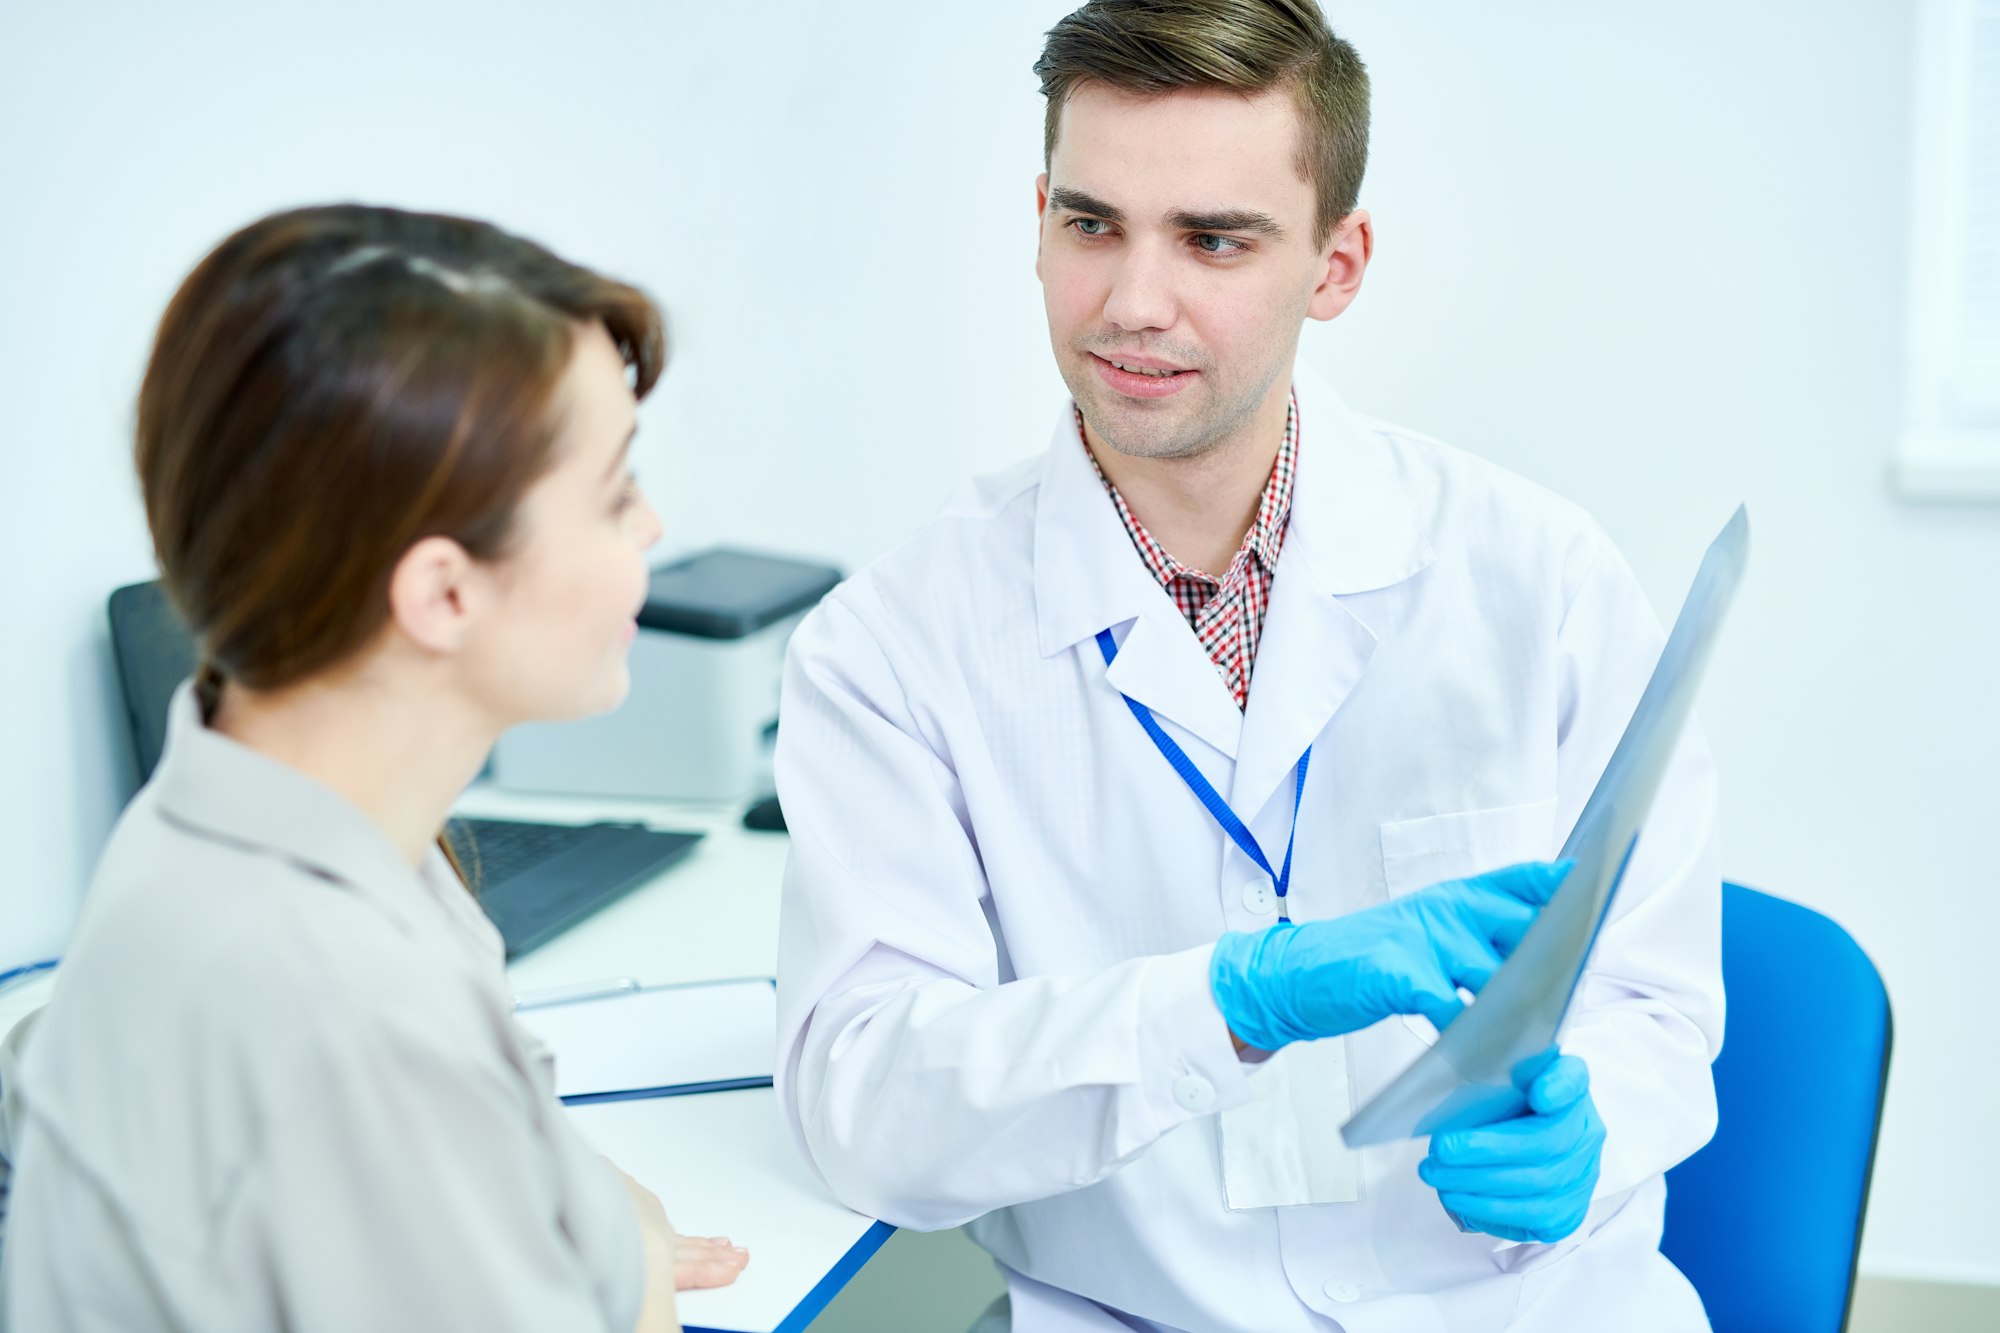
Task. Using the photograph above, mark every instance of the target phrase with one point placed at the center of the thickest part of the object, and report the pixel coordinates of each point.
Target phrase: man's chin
(1146, 439)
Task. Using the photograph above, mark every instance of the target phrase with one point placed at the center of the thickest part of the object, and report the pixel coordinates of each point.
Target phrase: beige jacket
(280, 1085)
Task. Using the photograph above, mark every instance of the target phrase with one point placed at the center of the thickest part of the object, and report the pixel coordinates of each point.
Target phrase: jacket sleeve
(925, 1088)
(1648, 1018)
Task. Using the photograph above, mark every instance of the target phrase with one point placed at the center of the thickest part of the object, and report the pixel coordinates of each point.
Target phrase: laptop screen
(155, 653)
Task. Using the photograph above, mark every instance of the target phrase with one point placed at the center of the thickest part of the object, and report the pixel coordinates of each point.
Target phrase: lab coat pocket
(1419, 852)
(1283, 1148)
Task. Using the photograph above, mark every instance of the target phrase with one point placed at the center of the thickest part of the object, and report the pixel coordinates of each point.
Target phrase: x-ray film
(1483, 1059)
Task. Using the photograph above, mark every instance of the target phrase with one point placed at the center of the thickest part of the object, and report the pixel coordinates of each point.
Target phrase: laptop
(535, 880)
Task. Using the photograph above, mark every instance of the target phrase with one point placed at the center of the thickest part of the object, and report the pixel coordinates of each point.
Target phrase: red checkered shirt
(1227, 613)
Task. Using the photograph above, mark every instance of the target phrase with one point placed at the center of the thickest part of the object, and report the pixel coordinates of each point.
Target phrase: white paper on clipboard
(662, 1040)
(1482, 1060)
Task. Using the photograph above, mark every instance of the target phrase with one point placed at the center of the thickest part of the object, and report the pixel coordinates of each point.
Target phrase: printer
(702, 714)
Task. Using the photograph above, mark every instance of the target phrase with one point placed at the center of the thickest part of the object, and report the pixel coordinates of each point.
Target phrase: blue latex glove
(1529, 1178)
(1299, 981)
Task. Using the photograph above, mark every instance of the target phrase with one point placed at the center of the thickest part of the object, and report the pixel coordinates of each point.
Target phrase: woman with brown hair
(384, 460)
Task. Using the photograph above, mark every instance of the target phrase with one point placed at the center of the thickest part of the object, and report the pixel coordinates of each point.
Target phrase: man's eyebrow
(1076, 201)
(1227, 219)
(1181, 219)
(618, 460)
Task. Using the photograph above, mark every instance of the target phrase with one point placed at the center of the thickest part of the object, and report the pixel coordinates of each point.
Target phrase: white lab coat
(1001, 901)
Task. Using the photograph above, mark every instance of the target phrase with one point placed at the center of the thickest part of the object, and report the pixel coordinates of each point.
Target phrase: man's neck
(1199, 508)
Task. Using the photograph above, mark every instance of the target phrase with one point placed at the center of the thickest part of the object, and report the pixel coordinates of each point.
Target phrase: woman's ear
(435, 592)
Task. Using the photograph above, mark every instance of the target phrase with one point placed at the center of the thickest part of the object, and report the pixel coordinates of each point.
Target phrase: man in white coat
(1162, 752)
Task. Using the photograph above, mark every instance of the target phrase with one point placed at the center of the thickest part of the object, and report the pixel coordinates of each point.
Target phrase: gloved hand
(1529, 1178)
(1298, 981)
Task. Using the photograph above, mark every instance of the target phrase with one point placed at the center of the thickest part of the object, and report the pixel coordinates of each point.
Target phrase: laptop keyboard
(534, 881)
(495, 850)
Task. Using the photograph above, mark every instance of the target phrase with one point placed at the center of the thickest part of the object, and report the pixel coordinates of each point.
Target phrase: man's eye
(1091, 226)
(1218, 245)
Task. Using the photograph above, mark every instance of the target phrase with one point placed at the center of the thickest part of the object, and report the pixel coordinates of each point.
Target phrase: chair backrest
(1766, 1220)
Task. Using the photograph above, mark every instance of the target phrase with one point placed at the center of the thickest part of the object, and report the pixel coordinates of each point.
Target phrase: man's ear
(1344, 264)
(434, 592)
(1041, 208)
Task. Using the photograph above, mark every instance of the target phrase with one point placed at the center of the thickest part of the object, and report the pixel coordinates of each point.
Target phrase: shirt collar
(1264, 539)
(222, 789)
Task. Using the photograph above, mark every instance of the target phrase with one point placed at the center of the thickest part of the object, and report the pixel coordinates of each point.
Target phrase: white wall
(1652, 257)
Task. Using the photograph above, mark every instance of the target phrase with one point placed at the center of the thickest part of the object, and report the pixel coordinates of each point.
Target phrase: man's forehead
(1190, 151)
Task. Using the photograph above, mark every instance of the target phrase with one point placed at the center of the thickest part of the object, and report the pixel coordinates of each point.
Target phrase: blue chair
(1766, 1219)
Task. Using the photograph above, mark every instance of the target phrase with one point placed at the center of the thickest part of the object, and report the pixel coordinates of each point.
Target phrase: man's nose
(1142, 294)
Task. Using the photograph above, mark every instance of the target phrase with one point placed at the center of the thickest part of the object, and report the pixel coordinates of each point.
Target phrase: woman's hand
(675, 1262)
(657, 1246)
(706, 1261)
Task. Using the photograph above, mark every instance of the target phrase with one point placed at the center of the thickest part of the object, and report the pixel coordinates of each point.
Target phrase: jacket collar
(225, 790)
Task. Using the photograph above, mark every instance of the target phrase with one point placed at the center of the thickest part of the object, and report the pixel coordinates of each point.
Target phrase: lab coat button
(1258, 897)
(1337, 1290)
(1193, 1092)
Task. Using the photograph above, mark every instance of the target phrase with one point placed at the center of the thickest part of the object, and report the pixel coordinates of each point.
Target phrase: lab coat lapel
(1088, 578)
(1352, 530)
(1162, 665)
(1309, 659)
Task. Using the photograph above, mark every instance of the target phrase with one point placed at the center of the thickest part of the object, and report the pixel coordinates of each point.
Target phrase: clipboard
(660, 1041)
(1476, 1072)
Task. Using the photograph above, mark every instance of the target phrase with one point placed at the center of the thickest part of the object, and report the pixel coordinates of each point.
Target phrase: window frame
(1939, 457)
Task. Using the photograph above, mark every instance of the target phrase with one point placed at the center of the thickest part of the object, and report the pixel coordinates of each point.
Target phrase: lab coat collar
(1349, 505)
(1088, 578)
(226, 790)
(1353, 528)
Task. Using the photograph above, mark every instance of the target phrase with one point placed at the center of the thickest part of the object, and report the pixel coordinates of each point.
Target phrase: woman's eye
(628, 494)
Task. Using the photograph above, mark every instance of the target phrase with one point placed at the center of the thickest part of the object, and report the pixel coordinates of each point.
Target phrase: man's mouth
(1135, 369)
(1135, 375)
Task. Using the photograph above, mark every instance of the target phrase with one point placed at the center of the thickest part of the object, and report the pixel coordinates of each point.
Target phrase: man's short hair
(1153, 47)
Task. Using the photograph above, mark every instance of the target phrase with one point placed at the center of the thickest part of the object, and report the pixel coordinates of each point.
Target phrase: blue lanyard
(14, 974)
(1211, 798)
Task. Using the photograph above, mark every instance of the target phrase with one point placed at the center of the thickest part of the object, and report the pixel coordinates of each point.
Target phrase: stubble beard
(1168, 430)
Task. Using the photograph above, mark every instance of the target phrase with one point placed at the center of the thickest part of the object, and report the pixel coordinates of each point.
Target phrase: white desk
(711, 917)
(724, 1164)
